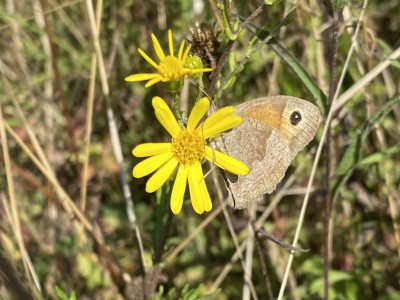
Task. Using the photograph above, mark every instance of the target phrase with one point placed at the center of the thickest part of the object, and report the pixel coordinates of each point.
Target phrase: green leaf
(338, 6)
(289, 18)
(379, 157)
(271, 2)
(387, 49)
(89, 268)
(352, 156)
(187, 293)
(230, 35)
(159, 216)
(328, 6)
(393, 295)
(380, 114)
(317, 286)
(334, 6)
(63, 296)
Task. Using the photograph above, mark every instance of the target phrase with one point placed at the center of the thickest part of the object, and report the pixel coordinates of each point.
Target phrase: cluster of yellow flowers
(188, 146)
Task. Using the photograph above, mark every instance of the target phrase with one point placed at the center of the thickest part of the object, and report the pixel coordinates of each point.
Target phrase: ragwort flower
(186, 151)
(170, 68)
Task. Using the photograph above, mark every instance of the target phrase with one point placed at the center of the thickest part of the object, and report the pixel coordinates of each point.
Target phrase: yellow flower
(171, 68)
(187, 149)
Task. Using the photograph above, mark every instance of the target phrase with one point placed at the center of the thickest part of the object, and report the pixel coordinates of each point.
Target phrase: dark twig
(328, 207)
(286, 246)
(160, 250)
(262, 260)
(251, 17)
(12, 281)
(150, 281)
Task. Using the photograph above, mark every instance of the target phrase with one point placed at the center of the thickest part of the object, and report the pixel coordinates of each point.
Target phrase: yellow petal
(150, 149)
(170, 43)
(180, 52)
(194, 71)
(165, 116)
(178, 191)
(142, 77)
(157, 48)
(226, 162)
(206, 196)
(199, 110)
(185, 55)
(153, 81)
(224, 125)
(149, 165)
(195, 175)
(147, 58)
(221, 121)
(161, 176)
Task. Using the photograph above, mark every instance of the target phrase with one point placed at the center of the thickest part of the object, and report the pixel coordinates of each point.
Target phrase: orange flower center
(171, 68)
(188, 147)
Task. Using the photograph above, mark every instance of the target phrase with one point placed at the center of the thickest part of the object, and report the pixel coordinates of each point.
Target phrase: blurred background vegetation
(67, 227)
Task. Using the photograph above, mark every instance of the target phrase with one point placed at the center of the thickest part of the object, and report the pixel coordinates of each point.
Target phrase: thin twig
(289, 247)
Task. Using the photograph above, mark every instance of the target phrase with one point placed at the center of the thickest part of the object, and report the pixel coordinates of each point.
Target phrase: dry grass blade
(65, 200)
(15, 221)
(366, 79)
(89, 116)
(114, 132)
(248, 284)
(249, 258)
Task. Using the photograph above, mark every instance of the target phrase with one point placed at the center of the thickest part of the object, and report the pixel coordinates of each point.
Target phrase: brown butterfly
(273, 131)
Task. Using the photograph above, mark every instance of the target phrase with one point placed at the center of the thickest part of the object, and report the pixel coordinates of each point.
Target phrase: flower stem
(178, 113)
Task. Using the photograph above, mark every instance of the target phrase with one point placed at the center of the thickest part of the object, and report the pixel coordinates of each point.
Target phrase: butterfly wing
(273, 131)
